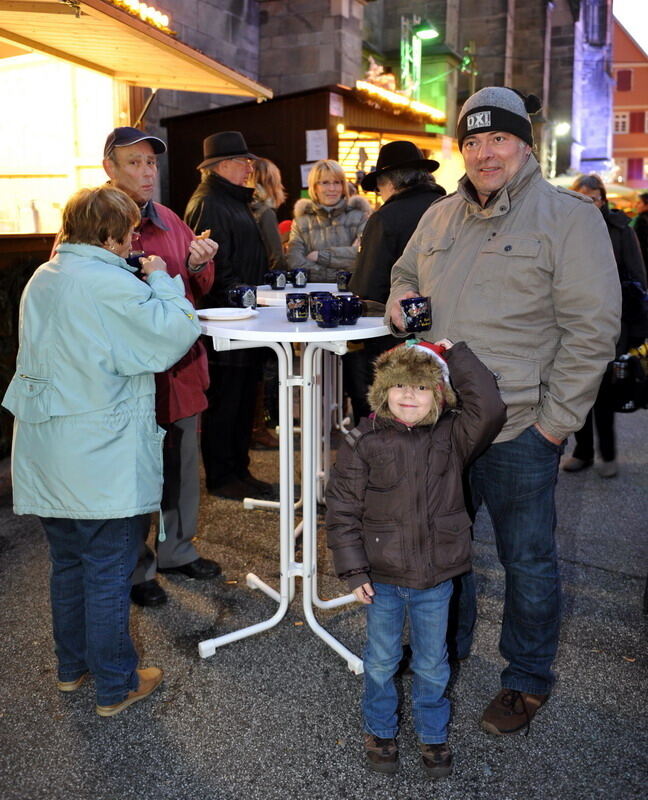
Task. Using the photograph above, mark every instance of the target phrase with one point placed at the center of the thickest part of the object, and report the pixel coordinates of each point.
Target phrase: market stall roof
(101, 36)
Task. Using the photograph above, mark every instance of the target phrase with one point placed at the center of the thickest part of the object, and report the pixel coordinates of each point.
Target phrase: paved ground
(277, 716)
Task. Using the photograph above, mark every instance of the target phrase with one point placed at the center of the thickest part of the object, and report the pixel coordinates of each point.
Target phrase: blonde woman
(269, 194)
(326, 229)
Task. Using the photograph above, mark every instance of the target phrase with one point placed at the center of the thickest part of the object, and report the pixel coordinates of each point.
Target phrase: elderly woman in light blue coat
(87, 455)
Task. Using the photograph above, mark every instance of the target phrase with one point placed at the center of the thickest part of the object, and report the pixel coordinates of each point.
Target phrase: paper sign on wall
(305, 169)
(316, 145)
(336, 105)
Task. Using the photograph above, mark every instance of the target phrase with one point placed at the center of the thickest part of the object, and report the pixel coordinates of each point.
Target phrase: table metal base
(309, 382)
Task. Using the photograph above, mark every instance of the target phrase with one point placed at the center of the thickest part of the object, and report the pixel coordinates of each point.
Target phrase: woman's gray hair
(404, 177)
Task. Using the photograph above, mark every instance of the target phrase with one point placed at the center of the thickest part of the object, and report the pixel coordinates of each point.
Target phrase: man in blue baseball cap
(130, 160)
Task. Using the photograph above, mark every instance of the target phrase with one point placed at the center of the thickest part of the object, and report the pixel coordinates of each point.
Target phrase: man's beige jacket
(530, 284)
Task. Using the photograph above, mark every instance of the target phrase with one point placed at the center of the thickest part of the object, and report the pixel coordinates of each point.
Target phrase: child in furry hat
(399, 530)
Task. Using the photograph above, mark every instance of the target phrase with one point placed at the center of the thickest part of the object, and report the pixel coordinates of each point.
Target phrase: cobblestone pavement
(277, 715)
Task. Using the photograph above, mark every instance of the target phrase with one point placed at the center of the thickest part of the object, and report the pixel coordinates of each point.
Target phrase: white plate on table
(227, 314)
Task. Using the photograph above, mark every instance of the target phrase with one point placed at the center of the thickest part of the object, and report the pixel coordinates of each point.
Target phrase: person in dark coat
(640, 224)
(404, 181)
(631, 268)
(221, 203)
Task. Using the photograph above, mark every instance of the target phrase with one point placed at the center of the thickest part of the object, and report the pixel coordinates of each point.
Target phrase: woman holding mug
(87, 452)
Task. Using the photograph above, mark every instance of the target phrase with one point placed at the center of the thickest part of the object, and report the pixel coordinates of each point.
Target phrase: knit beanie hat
(498, 108)
(414, 363)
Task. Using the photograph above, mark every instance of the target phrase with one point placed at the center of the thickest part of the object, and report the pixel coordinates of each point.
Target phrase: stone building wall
(226, 30)
(309, 43)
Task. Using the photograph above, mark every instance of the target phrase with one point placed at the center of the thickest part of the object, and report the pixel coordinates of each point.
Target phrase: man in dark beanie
(524, 273)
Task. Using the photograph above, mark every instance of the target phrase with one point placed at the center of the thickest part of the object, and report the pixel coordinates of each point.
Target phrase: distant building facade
(630, 120)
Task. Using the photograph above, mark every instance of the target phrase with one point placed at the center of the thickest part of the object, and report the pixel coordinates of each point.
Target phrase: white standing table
(271, 329)
(329, 398)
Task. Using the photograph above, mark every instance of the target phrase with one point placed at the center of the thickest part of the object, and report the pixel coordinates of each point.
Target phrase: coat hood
(410, 365)
(307, 206)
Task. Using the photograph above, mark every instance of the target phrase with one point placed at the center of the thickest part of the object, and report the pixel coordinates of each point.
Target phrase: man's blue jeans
(92, 562)
(516, 482)
(428, 620)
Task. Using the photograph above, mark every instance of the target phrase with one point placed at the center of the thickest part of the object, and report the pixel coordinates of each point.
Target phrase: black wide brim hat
(397, 155)
(224, 145)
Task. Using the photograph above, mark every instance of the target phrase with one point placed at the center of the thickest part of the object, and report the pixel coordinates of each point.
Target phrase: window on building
(635, 169)
(637, 122)
(624, 80)
(595, 22)
(621, 122)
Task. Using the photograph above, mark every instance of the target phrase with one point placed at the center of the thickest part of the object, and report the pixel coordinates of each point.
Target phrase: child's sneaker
(382, 754)
(437, 759)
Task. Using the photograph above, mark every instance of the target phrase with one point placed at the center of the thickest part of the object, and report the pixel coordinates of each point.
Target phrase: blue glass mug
(276, 278)
(312, 296)
(343, 276)
(350, 308)
(417, 314)
(242, 296)
(327, 311)
(299, 277)
(297, 307)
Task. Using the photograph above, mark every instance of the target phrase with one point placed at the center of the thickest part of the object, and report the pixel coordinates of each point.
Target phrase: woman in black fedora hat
(406, 186)
(404, 181)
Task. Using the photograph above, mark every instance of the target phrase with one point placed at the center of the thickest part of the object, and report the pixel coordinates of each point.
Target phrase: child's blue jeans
(428, 620)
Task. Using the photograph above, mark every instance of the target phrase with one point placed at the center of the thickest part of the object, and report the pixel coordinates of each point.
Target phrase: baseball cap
(123, 137)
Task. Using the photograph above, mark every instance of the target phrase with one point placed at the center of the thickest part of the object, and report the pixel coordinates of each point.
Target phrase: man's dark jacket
(634, 328)
(641, 229)
(384, 238)
(224, 208)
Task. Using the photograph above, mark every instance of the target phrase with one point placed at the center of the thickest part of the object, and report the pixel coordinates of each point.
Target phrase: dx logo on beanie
(481, 119)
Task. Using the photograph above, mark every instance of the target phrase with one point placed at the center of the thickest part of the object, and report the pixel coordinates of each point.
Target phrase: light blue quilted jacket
(86, 444)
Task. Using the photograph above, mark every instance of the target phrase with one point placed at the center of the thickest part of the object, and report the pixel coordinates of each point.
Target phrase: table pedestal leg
(289, 569)
(286, 514)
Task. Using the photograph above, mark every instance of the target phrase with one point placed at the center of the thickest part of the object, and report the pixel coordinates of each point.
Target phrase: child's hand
(445, 343)
(364, 593)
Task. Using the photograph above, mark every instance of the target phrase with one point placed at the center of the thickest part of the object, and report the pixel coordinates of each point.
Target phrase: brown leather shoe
(382, 754)
(437, 759)
(72, 686)
(510, 711)
(149, 679)
(264, 439)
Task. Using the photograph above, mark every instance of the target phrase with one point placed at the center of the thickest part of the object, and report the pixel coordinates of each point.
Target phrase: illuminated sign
(398, 102)
(146, 13)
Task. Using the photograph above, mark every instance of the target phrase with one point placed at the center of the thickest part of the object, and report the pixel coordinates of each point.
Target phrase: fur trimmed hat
(414, 363)
(498, 108)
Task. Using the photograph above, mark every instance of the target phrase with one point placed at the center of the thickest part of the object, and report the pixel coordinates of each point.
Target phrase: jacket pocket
(513, 264)
(518, 379)
(149, 466)
(28, 398)
(513, 246)
(452, 539)
(383, 473)
(431, 244)
(383, 545)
